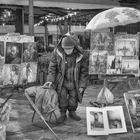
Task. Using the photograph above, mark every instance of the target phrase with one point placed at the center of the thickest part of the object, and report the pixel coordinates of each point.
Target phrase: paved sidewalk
(20, 126)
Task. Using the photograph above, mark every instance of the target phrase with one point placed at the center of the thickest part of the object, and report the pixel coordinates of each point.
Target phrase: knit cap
(67, 43)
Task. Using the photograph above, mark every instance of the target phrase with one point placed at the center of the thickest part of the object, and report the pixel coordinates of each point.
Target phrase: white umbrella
(114, 17)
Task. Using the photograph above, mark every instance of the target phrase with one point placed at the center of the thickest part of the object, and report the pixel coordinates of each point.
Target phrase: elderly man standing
(68, 73)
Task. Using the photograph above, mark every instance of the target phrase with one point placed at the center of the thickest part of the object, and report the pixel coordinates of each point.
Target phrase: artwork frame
(98, 62)
(40, 42)
(112, 120)
(13, 53)
(132, 102)
(126, 44)
(130, 65)
(102, 41)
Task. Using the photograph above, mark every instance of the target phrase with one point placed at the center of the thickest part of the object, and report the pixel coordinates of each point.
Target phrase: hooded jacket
(56, 69)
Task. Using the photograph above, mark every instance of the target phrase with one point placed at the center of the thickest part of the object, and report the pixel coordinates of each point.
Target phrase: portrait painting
(29, 52)
(13, 53)
(130, 66)
(28, 73)
(98, 62)
(102, 41)
(132, 101)
(11, 74)
(126, 45)
(95, 121)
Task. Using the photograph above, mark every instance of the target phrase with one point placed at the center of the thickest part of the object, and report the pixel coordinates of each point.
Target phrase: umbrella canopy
(114, 17)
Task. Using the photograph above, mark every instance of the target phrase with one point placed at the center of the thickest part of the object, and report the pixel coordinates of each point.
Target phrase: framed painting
(116, 119)
(98, 62)
(11, 74)
(13, 53)
(102, 41)
(40, 42)
(130, 66)
(132, 101)
(114, 64)
(126, 45)
(95, 121)
(28, 73)
(29, 52)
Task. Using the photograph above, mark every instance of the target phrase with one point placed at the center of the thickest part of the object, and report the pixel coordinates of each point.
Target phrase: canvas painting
(11, 74)
(95, 121)
(28, 73)
(29, 52)
(132, 101)
(13, 53)
(116, 120)
(40, 43)
(102, 41)
(126, 45)
(130, 66)
(104, 121)
(114, 64)
(98, 62)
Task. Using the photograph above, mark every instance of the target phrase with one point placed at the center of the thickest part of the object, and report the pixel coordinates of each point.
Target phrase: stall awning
(81, 4)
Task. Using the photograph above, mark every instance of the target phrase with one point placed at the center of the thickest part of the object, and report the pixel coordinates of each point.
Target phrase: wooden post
(19, 25)
(46, 35)
(31, 17)
(69, 20)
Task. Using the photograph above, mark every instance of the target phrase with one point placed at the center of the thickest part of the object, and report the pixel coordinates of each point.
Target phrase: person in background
(68, 74)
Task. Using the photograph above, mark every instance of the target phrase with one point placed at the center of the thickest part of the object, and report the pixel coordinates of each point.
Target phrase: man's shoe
(62, 118)
(74, 116)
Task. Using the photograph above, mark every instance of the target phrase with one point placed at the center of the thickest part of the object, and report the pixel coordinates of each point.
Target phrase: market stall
(116, 58)
(18, 57)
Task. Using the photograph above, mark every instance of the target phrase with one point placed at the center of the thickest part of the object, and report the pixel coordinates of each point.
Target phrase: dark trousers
(68, 100)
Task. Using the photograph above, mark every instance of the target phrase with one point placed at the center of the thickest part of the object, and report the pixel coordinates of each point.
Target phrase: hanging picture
(13, 53)
(111, 65)
(114, 64)
(102, 41)
(11, 74)
(28, 73)
(104, 121)
(130, 66)
(29, 52)
(126, 45)
(98, 62)
(40, 42)
(132, 101)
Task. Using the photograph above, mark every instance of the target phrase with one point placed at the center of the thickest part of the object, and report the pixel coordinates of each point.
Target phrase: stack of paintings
(106, 120)
(114, 53)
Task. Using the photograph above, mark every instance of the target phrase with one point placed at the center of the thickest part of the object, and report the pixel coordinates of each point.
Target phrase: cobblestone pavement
(20, 126)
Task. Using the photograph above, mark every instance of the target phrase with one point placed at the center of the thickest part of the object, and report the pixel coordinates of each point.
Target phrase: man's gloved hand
(47, 85)
(81, 90)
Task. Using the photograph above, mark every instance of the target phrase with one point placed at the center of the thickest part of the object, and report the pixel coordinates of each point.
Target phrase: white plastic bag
(105, 96)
